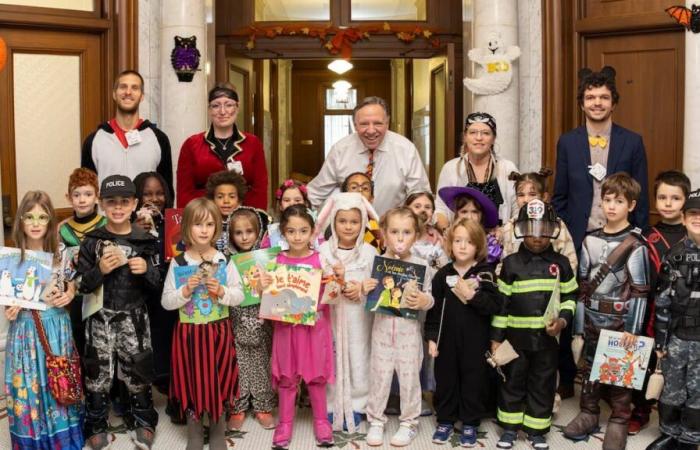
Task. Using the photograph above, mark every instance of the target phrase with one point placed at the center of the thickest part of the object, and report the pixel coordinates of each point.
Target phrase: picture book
(395, 278)
(201, 308)
(22, 283)
(618, 366)
(174, 245)
(250, 265)
(293, 295)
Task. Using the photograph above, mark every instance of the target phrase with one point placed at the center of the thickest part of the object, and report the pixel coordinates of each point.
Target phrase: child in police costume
(677, 336)
(614, 286)
(528, 279)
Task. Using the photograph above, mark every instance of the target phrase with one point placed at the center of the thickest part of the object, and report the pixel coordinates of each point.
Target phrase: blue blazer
(573, 185)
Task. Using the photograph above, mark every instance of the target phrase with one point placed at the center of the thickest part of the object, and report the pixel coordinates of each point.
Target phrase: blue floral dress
(36, 420)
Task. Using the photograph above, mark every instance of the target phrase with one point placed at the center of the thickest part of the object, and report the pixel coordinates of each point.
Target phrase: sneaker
(538, 442)
(404, 435)
(375, 435)
(468, 436)
(235, 421)
(507, 439)
(143, 438)
(442, 434)
(99, 441)
(638, 421)
(265, 419)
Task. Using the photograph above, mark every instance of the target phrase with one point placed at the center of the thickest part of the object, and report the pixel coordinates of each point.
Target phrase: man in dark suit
(587, 154)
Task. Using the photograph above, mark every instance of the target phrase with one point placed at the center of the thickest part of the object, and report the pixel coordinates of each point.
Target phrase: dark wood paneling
(308, 90)
(616, 8)
(650, 80)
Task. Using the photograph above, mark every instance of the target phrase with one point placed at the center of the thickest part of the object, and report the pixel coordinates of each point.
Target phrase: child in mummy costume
(348, 214)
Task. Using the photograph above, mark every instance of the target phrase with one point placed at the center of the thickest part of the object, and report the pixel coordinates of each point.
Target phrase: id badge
(597, 171)
(452, 280)
(133, 137)
(236, 166)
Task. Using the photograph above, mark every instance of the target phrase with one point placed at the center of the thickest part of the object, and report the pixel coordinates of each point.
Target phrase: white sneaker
(404, 436)
(375, 435)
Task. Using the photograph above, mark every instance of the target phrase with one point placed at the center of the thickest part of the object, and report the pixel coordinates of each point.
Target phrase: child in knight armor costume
(613, 297)
(677, 333)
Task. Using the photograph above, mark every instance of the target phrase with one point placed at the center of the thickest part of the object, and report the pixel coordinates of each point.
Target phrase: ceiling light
(341, 89)
(340, 66)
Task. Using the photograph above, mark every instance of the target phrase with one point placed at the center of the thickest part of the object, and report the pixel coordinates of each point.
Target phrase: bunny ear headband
(340, 202)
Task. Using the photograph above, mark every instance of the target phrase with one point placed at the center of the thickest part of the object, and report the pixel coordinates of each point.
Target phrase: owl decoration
(185, 58)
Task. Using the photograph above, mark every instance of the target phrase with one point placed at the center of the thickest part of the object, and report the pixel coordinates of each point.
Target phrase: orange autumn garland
(343, 38)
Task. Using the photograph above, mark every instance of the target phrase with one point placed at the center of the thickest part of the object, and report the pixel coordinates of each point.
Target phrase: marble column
(530, 68)
(183, 104)
(498, 19)
(691, 131)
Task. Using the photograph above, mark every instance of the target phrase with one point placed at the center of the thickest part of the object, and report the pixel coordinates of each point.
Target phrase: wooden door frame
(115, 22)
(439, 70)
(564, 35)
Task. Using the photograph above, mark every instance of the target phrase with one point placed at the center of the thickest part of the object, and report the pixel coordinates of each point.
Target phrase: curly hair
(83, 177)
(589, 80)
(236, 180)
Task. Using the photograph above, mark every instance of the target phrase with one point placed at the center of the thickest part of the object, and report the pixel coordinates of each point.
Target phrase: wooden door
(314, 114)
(50, 100)
(650, 80)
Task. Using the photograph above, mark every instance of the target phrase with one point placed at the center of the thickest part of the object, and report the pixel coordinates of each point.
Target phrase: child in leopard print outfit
(253, 336)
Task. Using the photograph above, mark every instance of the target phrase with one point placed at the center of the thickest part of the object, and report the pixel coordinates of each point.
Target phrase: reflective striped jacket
(527, 281)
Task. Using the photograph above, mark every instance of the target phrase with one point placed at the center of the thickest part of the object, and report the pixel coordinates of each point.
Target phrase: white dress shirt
(450, 176)
(398, 171)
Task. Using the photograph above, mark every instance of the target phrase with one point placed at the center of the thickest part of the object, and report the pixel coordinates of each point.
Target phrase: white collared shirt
(398, 170)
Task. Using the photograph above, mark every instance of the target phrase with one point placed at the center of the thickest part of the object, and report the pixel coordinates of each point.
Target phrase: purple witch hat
(488, 208)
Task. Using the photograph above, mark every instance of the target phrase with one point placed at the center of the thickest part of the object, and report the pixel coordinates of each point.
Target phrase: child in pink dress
(301, 351)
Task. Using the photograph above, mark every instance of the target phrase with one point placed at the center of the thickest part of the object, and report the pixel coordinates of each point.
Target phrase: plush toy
(497, 63)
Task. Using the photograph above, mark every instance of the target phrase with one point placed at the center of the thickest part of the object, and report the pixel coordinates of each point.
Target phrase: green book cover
(250, 265)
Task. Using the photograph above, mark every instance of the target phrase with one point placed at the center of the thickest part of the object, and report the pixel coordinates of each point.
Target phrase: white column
(499, 17)
(691, 131)
(183, 104)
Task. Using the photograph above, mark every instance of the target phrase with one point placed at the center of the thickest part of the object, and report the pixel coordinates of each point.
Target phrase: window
(292, 10)
(381, 10)
(337, 118)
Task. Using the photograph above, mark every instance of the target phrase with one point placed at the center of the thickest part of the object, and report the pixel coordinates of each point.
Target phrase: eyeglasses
(484, 133)
(41, 219)
(225, 106)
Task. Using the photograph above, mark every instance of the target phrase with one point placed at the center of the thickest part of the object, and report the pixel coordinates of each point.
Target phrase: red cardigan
(197, 161)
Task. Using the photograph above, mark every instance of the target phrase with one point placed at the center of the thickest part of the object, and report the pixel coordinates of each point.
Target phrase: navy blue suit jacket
(573, 185)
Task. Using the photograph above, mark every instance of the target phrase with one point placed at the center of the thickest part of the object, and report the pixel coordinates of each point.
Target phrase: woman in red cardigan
(223, 147)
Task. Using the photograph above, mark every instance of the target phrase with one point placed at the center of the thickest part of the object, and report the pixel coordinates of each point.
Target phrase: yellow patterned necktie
(598, 141)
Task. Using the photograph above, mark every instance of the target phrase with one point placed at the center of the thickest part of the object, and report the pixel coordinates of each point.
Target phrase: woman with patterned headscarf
(478, 167)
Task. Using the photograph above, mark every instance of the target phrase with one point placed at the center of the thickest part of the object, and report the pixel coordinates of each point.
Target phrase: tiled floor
(170, 437)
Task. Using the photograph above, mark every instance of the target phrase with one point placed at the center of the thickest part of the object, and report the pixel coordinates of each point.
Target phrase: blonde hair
(29, 201)
(401, 211)
(196, 211)
(476, 235)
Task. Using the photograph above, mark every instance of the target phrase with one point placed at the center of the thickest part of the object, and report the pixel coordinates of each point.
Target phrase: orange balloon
(3, 54)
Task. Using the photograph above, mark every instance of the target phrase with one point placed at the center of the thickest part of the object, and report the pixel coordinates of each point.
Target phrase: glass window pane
(334, 129)
(388, 10)
(78, 5)
(292, 10)
(335, 102)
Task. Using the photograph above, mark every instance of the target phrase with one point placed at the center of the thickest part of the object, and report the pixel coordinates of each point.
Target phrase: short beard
(133, 110)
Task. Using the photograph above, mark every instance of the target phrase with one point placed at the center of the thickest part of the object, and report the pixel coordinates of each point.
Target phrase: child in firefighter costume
(528, 279)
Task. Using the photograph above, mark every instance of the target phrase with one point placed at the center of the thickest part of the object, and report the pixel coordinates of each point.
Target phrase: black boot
(96, 413)
(664, 442)
(684, 446)
(141, 414)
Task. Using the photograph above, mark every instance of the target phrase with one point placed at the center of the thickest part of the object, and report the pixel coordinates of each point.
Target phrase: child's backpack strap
(180, 259)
